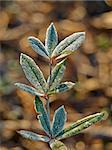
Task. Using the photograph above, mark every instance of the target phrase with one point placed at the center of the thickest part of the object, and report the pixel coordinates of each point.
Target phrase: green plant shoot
(43, 88)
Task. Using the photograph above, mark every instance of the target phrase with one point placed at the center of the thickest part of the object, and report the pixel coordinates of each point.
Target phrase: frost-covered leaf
(59, 120)
(43, 117)
(63, 87)
(57, 145)
(51, 38)
(28, 89)
(32, 72)
(33, 136)
(57, 75)
(80, 125)
(69, 45)
(38, 46)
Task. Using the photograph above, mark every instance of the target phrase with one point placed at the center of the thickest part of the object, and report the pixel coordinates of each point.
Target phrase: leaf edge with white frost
(51, 39)
(33, 136)
(43, 117)
(33, 72)
(62, 87)
(69, 44)
(59, 119)
(38, 46)
(79, 128)
(57, 74)
(28, 89)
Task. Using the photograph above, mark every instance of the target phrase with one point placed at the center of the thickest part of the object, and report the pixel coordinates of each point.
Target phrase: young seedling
(43, 89)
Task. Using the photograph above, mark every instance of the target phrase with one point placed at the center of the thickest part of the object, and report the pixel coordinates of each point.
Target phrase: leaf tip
(62, 108)
(20, 132)
(22, 56)
(83, 34)
(104, 115)
(16, 84)
(51, 25)
(31, 38)
(72, 83)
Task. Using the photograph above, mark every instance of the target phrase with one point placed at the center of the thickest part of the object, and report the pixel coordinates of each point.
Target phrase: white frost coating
(71, 43)
(63, 87)
(38, 46)
(33, 136)
(59, 119)
(43, 117)
(28, 89)
(51, 39)
(32, 72)
(57, 74)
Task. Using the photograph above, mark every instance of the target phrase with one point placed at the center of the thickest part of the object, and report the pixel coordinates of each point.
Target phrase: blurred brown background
(90, 66)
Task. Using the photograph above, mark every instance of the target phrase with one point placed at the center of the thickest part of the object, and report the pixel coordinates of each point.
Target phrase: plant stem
(50, 75)
(49, 84)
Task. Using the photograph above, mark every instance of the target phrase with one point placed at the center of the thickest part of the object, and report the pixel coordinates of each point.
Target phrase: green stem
(50, 65)
(49, 84)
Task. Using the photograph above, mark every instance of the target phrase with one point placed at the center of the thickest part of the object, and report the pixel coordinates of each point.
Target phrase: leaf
(32, 72)
(28, 89)
(57, 75)
(80, 125)
(38, 46)
(59, 120)
(33, 136)
(63, 55)
(69, 44)
(43, 117)
(63, 87)
(51, 38)
(57, 145)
